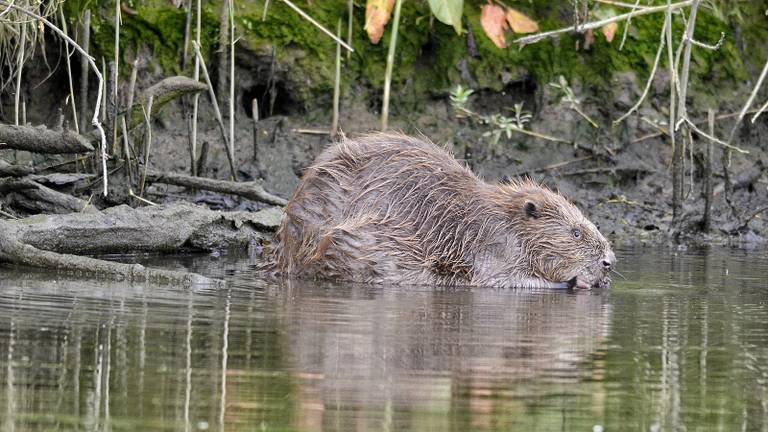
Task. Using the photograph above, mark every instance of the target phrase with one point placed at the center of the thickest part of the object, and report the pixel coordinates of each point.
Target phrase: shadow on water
(681, 344)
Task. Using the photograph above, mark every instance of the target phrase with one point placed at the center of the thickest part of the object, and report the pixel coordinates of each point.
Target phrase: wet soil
(618, 175)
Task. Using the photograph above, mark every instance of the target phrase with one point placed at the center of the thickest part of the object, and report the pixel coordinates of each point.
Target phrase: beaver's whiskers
(613, 270)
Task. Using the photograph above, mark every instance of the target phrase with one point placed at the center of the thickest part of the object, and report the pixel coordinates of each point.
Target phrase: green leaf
(448, 12)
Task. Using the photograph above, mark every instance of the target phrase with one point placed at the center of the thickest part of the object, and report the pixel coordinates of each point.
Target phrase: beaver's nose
(609, 260)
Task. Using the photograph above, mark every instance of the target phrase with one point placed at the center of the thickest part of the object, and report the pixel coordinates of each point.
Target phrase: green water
(680, 345)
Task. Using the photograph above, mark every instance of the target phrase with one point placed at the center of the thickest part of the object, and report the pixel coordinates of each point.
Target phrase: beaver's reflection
(406, 347)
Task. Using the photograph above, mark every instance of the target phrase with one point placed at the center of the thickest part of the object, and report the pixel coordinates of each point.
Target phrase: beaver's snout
(609, 264)
(609, 261)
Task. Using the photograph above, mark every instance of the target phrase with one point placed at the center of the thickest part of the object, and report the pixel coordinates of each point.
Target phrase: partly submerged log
(251, 190)
(165, 228)
(40, 139)
(47, 241)
(19, 253)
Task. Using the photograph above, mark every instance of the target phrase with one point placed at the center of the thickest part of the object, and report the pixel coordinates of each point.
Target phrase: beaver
(389, 208)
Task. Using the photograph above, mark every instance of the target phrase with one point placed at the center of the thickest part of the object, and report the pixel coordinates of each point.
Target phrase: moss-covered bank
(431, 57)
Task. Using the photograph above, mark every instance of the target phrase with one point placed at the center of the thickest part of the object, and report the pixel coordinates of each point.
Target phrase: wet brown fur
(388, 208)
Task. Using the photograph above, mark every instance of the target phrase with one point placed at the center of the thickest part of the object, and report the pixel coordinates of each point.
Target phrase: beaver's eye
(576, 233)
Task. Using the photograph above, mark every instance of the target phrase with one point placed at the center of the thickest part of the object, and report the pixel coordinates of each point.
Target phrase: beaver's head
(559, 244)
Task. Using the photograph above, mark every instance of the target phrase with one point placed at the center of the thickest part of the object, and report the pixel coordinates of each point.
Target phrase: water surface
(681, 344)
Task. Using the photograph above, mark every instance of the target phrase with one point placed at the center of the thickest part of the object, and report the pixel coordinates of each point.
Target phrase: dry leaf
(494, 22)
(377, 13)
(609, 30)
(521, 23)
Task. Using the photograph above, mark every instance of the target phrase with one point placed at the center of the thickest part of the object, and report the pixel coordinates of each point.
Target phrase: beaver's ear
(531, 209)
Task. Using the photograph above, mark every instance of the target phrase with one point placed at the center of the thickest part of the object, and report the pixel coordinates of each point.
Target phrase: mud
(619, 176)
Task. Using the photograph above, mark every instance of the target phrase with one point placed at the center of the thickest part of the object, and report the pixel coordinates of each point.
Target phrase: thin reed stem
(116, 107)
(86, 41)
(350, 19)
(69, 73)
(217, 112)
(390, 66)
(264, 12)
(255, 116)
(147, 142)
(336, 87)
(232, 76)
(196, 97)
(19, 72)
(317, 24)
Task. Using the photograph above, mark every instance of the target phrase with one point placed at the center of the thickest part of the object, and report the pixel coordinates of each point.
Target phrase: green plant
(569, 97)
(522, 117)
(460, 98)
(499, 124)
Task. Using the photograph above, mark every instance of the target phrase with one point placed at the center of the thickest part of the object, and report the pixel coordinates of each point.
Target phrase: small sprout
(570, 98)
(460, 98)
(522, 117)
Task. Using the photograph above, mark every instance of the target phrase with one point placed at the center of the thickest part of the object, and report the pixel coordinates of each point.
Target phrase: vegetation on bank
(429, 53)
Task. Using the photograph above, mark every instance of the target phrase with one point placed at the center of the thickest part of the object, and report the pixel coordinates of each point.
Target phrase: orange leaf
(609, 30)
(494, 23)
(521, 23)
(377, 13)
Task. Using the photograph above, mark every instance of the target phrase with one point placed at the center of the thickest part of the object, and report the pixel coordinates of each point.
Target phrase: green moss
(428, 52)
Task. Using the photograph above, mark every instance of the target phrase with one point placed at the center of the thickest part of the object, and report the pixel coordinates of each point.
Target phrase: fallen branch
(621, 199)
(607, 170)
(163, 228)
(18, 253)
(749, 103)
(597, 24)
(40, 139)
(34, 197)
(744, 225)
(8, 170)
(161, 93)
(47, 241)
(551, 166)
(251, 190)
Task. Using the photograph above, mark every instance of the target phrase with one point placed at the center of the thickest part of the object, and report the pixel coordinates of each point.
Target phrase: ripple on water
(681, 343)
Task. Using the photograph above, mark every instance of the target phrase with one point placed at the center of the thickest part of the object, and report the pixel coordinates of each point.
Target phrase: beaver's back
(362, 210)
